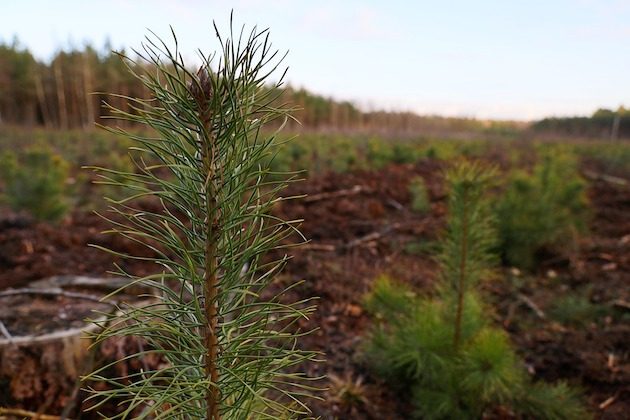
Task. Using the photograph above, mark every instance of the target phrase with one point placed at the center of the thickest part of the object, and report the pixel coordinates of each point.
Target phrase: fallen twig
(357, 189)
(606, 178)
(5, 332)
(54, 292)
(25, 413)
(56, 335)
(620, 303)
(372, 236)
(395, 204)
(531, 305)
(107, 283)
(318, 247)
(608, 402)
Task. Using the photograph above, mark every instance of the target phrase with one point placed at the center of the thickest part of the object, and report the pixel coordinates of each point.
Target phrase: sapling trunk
(461, 284)
(466, 256)
(202, 94)
(212, 316)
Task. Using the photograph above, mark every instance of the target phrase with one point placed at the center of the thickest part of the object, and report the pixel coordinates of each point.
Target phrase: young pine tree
(444, 349)
(35, 183)
(466, 258)
(228, 342)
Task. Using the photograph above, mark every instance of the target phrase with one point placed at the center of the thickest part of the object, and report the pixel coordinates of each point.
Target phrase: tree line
(68, 92)
(604, 123)
(60, 94)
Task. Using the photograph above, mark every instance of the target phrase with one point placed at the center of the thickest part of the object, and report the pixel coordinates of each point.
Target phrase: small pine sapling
(445, 350)
(544, 209)
(228, 342)
(35, 182)
(420, 200)
(466, 258)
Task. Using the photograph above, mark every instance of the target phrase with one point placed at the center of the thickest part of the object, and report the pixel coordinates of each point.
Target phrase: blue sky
(485, 58)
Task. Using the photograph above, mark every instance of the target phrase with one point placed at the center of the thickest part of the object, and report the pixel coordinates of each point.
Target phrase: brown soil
(359, 235)
(31, 251)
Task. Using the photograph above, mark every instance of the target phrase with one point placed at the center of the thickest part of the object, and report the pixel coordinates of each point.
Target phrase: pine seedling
(466, 256)
(36, 183)
(420, 200)
(411, 342)
(445, 350)
(554, 402)
(228, 342)
(542, 210)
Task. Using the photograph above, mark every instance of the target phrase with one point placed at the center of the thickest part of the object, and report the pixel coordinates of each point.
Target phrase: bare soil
(360, 225)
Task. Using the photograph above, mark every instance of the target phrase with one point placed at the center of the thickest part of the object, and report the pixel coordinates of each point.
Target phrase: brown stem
(201, 91)
(462, 274)
(25, 413)
(210, 295)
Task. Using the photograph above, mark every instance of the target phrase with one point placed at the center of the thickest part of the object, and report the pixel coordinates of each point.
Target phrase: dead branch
(56, 335)
(5, 332)
(595, 176)
(622, 304)
(106, 283)
(25, 413)
(395, 204)
(54, 292)
(608, 402)
(372, 236)
(357, 189)
(318, 247)
(531, 305)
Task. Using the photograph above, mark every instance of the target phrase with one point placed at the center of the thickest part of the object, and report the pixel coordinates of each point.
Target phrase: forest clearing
(566, 315)
(225, 246)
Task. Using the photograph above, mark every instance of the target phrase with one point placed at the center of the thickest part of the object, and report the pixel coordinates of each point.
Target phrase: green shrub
(613, 157)
(441, 149)
(338, 154)
(445, 350)
(318, 154)
(551, 402)
(420, 201)
(412, 347)
(576, 309)
(544, 209)
(379, 153)
(489, 367)
(404, 153)
(35, 182)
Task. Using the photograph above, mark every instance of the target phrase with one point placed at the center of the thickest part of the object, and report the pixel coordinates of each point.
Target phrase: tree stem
(462, 273)
(202, 94)
(211, 341)
(210, 297)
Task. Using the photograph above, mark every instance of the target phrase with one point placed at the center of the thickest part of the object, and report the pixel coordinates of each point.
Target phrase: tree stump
(44, 343)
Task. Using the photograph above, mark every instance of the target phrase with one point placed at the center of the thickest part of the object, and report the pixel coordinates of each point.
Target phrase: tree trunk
(87, 91)
(61, 96)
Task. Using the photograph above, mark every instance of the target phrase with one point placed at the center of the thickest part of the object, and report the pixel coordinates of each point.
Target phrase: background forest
(66, 93)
